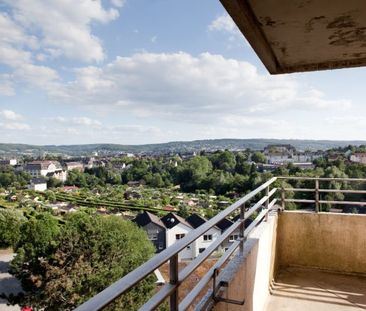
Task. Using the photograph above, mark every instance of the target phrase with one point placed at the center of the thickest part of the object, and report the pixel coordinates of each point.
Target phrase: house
(155, 228)
(38, 169)
(60, 175)
(359, 157)
(74, 166)
(223, 225)
(135, 183)
(38, 184)
(205, 240)
(67, 209)
(176, 229)
(70, 188)
(88, 162)
(11, 162)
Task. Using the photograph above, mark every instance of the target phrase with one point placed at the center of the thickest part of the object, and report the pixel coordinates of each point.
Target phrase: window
(179, 236)
(153, 236)
(201, 250)
(207, 237)
(233, 237)
(189, 247)
(226, 248)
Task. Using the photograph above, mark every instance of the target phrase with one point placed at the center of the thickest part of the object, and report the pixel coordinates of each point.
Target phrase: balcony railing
(266, 202)
(317, 190)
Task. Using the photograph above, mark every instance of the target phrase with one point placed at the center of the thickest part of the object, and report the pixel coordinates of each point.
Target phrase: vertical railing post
(283, 198)
(267, 203)
(173, 274)
(242, 228)
(317, 195)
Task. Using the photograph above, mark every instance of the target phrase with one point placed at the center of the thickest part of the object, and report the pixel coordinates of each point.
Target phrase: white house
(38, 184)
(205, 240)
(358, 157)
(176, 229)
(46, 168)
(74, 166)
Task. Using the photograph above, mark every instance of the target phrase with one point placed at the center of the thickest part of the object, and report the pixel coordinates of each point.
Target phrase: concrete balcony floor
(307, 289)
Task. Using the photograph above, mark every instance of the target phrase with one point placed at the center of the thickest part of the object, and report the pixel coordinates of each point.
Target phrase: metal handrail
(322, 178)
(114, 291)
(319, 190)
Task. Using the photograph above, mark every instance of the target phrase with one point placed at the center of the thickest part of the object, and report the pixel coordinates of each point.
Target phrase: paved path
(8, 284)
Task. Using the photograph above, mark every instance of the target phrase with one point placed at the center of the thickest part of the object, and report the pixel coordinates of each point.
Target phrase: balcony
(305, 259)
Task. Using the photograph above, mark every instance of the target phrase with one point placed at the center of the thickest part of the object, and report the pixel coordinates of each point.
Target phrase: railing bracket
(217, 287)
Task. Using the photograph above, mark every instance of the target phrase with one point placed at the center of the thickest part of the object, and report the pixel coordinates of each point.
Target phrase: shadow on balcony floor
(303, 289)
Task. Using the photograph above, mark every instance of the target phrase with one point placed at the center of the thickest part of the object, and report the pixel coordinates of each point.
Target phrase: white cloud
(15, 126)
(56, 27)
(10, 115)
(6, 85)
(153, 39)
(79, 121)
(118, 3)
(207, 94)
(199, 89)
(223, 23)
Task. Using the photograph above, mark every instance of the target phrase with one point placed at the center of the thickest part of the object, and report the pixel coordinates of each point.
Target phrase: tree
(53, 183)
(258, 157)
(10, 222)
(89, 253)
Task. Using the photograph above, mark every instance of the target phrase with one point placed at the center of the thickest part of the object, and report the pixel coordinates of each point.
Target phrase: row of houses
(285, 153)
(40, 171)
(164, 232)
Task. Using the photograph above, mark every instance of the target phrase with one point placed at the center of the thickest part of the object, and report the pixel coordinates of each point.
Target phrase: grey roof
(171, 220)
(145, 218)
(196, 220)
(38, 181)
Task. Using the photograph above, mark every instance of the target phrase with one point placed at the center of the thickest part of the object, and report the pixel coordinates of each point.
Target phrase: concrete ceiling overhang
(303, 35)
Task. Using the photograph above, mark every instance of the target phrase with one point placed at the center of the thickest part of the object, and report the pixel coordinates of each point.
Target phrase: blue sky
(149, 71)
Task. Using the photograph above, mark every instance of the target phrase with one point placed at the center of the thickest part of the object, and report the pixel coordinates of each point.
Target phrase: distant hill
(178, 146)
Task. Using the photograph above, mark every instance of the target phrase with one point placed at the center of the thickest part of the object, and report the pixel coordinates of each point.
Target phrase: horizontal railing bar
(299, 189)
(119, 287)
(343, 202)
(326, 190)
(194, 264)
(159, 297)
(187, 301)
(328, 202)
(321, 178)
(343, 191)
(299, 201)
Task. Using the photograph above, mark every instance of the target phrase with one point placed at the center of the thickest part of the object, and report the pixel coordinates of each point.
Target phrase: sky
(151, 71)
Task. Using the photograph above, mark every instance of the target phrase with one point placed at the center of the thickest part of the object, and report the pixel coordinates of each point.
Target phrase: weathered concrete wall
(250, 274)
(325, 240)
